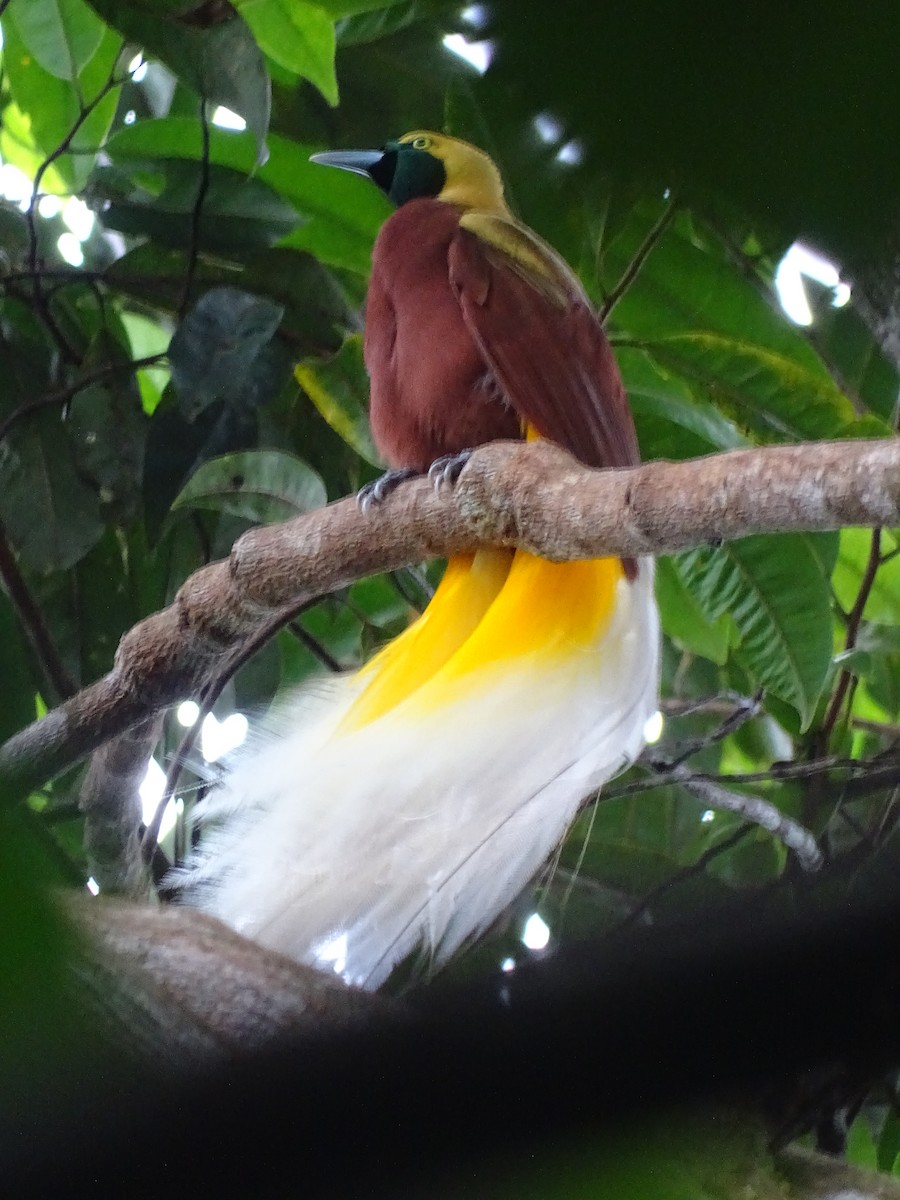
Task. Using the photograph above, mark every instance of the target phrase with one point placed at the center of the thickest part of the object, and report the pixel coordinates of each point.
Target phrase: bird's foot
(448, 468)
(374, 493)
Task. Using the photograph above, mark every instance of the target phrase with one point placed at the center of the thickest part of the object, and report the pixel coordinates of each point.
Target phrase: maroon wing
(551, 360)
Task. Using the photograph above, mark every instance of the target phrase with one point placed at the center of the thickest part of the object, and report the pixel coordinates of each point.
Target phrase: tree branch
(56, 675)
(511, 494)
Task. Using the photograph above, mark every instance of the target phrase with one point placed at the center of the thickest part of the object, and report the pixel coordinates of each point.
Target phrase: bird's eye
(421, 143)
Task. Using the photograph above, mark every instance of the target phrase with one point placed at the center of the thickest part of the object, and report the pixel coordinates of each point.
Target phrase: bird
(402, 808)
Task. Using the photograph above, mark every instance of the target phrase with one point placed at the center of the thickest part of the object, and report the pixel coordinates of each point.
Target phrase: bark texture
(531, 495)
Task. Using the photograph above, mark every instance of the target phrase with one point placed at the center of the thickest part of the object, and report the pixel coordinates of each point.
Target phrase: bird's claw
(374, 493)
(448, 468)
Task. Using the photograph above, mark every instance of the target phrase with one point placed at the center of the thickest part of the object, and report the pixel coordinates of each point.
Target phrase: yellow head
(465, 174)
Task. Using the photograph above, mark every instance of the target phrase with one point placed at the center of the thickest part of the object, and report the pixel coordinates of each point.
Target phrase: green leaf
(54, 107)
(63, 35)
(13, 235)
(17, 709)
(881, 645)
(774, 590)
(299, 37)
(335, 626)
(635, 842)
(147, 337)
(238, 215)
(19, 147)
(344, 213)
(108, 430)
(176, 447)
(715, 329)
(27, 353)
(862, 1150)
(683, 618)
(760, 387)
(339, 389)
(847, 343)
(883, 603)
(105, 604)
(221, 62)
(52, 516)
(672, 422)
(222, 350)
(889, 1143)
(825, 547)
(256, 683)
(347, 8)
(368, 21)
(262, 485)
(316, 313)
(380, 602)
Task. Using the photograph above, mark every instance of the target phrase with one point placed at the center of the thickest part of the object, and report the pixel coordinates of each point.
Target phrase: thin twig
(721, 705)
(210, 695)
(758, 811)
(697, 867)
(65, 275)
(742, 713)
(64, 395)
(777, 772)
(642, 253)
(197, 211)
(316, 649)
(820, 744)
(426, 591)
(882, 728)
(61, 684)
(112, 82)
(70, 870)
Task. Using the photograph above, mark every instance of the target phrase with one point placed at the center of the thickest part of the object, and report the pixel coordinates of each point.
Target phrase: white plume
(349, 849)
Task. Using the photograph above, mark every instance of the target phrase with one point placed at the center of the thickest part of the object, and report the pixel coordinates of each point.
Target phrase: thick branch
(534, 496)
(175, 988)
(110, 799)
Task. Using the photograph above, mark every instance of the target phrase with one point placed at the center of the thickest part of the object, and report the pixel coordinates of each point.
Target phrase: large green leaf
(634, 843)
(63, 35)
(761, 388)
(104, 601)
(774, 590)
(344, 213)
(52, 516)
(177, 446)
(107, 428)
(55, 107)
(223, 350)
(263, 486)
(299, 36)
(671, 421)
(847, 343)
(347, 8)
(27, 354)
(715, 329)
(684, 620)
(238, 215)
(340, 389)
(221, 61)
(316, 313)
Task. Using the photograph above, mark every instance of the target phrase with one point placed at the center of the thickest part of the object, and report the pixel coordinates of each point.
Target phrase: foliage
(201, 372)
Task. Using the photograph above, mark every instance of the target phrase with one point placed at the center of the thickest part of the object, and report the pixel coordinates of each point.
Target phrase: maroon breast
(431, 391)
